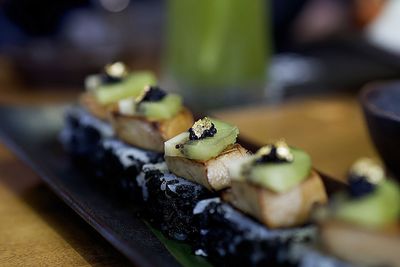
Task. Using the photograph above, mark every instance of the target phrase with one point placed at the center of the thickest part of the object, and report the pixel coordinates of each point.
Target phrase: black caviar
(271, 157)
(107, 79)
(153, 94)
(206, 133)
(359, 186)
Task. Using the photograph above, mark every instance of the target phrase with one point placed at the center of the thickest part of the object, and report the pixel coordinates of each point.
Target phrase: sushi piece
(361, 226)
(90, 137)
(204, 152)
(88, 123)
(104, 90)
(172, 190)
(150, 119)
(277, 186)
(230, 238)
(266, 217)
(169, 201)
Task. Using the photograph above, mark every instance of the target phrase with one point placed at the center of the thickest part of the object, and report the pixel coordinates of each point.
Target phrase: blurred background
(293, 67)
(226, 52)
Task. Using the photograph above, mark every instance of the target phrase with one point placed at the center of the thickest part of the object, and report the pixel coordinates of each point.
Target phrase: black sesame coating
(105, 164)
(359, 186)
(207, 133)
(272, 157)
(122, 177)
(230, 238)
(98, 156)
(83, 146)
(170, 202)
(78, 139)
(153, 94)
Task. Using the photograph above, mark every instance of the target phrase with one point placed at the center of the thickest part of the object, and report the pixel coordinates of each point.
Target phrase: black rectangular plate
(31, 133)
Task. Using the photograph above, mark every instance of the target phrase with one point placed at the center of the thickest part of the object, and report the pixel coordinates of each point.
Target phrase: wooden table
(37, 229)
(331, 129)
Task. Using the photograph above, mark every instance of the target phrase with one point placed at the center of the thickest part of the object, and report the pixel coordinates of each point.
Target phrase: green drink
(216, 50)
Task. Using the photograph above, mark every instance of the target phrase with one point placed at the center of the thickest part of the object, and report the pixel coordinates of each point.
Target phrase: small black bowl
(381, 105)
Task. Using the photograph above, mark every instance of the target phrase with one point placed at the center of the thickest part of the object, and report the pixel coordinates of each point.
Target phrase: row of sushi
(237, 208)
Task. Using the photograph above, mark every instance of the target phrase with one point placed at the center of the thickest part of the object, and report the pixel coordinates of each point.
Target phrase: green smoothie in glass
(216, 50)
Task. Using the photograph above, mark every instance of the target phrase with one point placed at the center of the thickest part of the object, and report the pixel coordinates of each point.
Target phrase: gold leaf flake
(200, 126)
(116, 70)
(369, 169)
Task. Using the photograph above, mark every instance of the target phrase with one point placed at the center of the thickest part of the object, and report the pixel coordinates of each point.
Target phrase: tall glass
(216, 50)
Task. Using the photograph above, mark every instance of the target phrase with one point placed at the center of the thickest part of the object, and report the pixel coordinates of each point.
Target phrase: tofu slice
(277, 210)
(212, 174)
(98, 110)
(146, 134)
(362, 246)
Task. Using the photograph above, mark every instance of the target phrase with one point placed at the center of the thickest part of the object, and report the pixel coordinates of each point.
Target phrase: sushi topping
(201, 129)
(154, 104)
(223, 136)
(375, 210)
(151, 94)
(364, 176)
(278, 152)
(114, 72)
(276, 167)
(373, 200)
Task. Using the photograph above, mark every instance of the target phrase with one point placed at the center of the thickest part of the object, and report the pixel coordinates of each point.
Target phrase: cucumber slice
(210, 147)
(172, 147)
(203, 149)
(131, 86)
(281, 177)
(166, 108)
(378, 209)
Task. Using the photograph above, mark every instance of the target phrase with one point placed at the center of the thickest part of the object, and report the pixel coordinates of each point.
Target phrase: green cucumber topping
(131, 86)
(165, 108)
(205, 148)
(172, 147)
(377, 209)
(281, 176)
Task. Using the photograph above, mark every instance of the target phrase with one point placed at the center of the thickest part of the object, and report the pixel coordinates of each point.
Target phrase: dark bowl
(381, 105)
